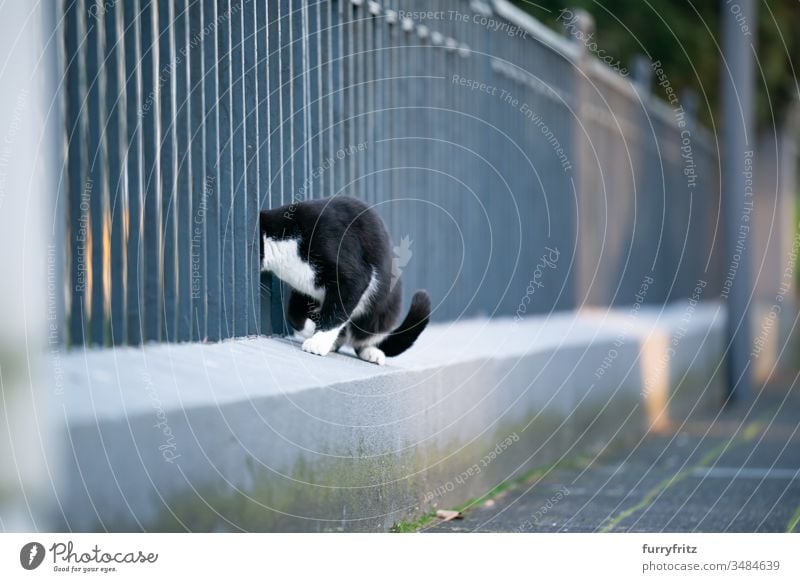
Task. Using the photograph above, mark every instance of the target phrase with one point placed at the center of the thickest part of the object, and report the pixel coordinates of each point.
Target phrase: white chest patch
(282, 257)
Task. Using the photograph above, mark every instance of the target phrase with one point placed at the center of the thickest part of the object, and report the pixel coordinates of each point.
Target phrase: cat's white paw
(372, 354)
(308, 329)
(320, 343)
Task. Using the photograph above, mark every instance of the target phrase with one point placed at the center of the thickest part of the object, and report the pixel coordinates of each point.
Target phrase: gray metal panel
(240, 105)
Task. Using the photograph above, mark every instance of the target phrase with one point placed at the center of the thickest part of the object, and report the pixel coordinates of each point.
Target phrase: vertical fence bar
(325, 56)
(74, 72)
(280, 134)
(312, 33)
(298, 73)
(183, 202)
(166, 99)
(239, 274)
(334, 91)
(457, 159)
(133, 171)
(392, 58)
(115, 130)
(350, 105)
(225, 168)
(380, 184)
(275, 103)
(460, 195)
(285, 118)
(358, 114)
(421, 123)
(225, 164)
(150, 147)
(96, 184)
(199, 124)
(367, 115)
(402, 128)
(440, 182)
(252, 304)
(211, 190)
(449, 156)
(265, 145)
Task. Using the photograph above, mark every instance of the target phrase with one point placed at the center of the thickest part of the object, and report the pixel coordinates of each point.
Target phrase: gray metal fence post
(738, 139)
(587, 251)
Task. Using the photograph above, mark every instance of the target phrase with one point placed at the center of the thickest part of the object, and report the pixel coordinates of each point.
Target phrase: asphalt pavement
(736, 470)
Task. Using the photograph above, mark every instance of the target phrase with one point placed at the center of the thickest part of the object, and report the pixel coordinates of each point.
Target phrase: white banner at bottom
(403, 557)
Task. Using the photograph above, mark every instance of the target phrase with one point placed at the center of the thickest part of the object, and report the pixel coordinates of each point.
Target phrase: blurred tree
(685, 36)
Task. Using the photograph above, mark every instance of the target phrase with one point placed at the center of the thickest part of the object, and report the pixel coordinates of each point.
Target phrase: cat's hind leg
(372, 354)
(342, 340)
(345, 298)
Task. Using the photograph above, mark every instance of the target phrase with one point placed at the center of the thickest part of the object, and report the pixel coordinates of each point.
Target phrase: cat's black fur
(348, 249)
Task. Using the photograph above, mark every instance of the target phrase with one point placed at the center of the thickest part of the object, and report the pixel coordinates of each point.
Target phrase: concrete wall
(29, 267)
(257, 435)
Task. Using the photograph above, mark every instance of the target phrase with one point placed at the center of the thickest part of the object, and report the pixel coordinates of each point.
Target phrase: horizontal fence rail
(516, 174)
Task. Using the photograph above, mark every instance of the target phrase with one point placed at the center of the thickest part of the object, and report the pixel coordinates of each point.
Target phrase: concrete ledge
(256, 435)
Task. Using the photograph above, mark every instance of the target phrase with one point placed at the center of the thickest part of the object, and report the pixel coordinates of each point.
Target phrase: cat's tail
(404, 336)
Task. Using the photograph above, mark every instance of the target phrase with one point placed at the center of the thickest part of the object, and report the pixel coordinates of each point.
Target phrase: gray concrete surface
(257, 435)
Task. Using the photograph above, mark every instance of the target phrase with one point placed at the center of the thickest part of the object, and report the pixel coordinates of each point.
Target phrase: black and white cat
(336, 255)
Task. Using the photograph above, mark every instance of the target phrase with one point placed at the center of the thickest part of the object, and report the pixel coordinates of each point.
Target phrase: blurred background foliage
(685, 36)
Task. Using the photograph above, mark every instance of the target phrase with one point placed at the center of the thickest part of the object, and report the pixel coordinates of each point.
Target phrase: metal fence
(486, 142)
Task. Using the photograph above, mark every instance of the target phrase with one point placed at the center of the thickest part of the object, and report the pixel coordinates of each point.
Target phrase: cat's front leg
(339, 304)
(329, 322)
(322, 342)
(300, 313)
